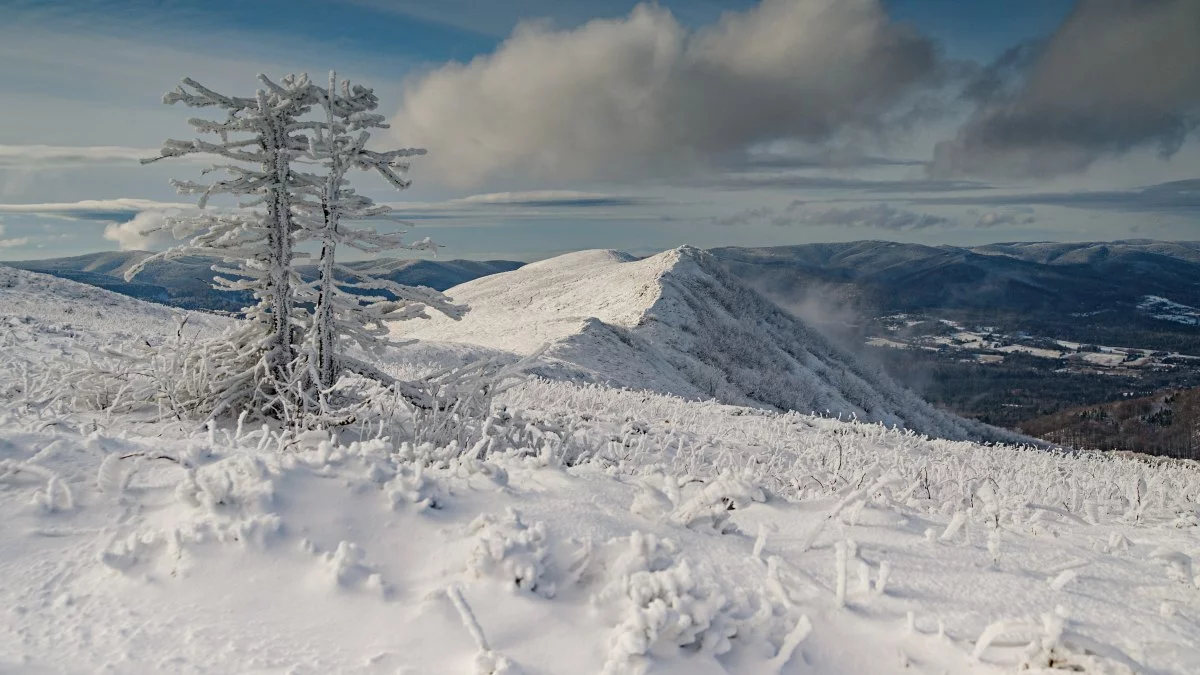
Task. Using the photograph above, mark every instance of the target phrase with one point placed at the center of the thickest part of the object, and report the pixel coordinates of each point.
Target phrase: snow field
(577, 528)
(651, 535)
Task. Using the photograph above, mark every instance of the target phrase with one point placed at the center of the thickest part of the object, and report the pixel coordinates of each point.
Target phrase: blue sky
(555, 125)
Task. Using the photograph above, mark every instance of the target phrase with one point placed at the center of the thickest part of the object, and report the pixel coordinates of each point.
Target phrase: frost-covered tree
(354, 307)
(256, 143)
(282, 360)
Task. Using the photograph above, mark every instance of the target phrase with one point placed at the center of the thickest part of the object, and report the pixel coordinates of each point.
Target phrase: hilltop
(677, 323)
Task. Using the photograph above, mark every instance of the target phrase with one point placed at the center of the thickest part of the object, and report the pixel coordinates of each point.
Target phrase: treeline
(1166, 424)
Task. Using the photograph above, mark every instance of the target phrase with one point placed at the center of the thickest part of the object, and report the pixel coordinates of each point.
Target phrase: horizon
(417, 257)
(562, 126)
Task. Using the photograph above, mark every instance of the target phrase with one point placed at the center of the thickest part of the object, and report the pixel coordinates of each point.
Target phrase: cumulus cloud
(875, 216)
(57, 156)
(16, 242)
(129, 221)
(639, 93)
(143, 232)
(1117, 75)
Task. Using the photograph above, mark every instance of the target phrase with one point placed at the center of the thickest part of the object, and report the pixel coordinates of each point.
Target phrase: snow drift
(678, 323)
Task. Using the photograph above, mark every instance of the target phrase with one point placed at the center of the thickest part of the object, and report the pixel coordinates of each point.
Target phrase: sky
(559, 125)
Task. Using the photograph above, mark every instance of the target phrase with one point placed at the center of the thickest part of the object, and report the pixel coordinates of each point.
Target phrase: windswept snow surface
(677, 323)
(583, 529)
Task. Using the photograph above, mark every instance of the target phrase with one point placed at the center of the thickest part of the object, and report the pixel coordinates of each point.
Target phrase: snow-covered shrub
(54, 496)
(801, 457)
(235, 485)
(487, 661)
(235, 498)
(347, 568)
(662, 606)
(412, 488)
(1054, 648)
(705, 504)
(123, 554)
(512, 551)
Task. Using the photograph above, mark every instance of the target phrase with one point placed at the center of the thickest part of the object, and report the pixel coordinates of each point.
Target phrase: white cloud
(93, 209)
(57, 156)
(143, 232)
(11, 243)
(544, 198)
(875, 216)
(641, 93)
(128, 220)
(997, 218)
(744, 217)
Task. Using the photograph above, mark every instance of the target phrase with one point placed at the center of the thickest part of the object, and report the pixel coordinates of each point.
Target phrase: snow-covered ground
(1167, 310)
(582, 529)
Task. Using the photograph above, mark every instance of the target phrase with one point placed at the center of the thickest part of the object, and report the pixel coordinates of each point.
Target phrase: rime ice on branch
(353, 306)
(287, 356)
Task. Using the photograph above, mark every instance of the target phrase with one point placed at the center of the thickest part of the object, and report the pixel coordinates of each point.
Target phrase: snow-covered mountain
(187, 281)
(677, 323)
(575, 529)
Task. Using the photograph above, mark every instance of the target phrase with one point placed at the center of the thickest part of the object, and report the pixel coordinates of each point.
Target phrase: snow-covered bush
(412, 488)
(347, 568)
(705, 504)
(1055, 648)
(508, 549)
(662, 606)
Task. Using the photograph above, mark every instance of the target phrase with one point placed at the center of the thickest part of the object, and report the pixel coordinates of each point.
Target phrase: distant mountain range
(888, 276)
(1068, 279)
(187, 282)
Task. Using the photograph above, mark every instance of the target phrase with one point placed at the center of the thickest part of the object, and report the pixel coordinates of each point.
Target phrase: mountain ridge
(677, 323)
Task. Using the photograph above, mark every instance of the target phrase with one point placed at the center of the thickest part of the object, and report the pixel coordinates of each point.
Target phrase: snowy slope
(47, 318)
(677, 323)
(48, 305)
(586, 530)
